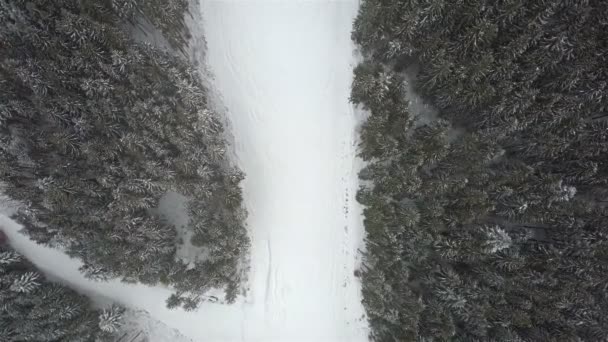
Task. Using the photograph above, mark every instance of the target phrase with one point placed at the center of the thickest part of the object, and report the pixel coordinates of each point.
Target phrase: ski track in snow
(284, 70)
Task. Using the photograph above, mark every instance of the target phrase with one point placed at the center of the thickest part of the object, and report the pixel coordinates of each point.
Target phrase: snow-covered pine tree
(110, 319)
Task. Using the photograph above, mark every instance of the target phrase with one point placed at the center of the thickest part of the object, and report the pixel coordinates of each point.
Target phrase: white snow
(284, 71)
(173, 207)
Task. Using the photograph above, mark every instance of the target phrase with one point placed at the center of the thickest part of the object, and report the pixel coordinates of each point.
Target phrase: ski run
(283, 71)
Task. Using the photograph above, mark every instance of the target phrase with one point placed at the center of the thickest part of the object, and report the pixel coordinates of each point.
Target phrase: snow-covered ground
(284, 70)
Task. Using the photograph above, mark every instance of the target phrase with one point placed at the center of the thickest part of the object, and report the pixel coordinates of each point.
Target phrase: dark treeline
(489, 222)
(95, 128)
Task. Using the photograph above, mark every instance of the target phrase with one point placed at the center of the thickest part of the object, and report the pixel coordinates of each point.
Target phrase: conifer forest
(488, 221)
(95, 128)
(474, 145)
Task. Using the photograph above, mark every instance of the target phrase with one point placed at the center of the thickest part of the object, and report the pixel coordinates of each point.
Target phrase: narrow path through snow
(284, 70)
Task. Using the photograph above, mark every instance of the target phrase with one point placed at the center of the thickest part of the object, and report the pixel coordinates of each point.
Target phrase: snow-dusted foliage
(166, 15)
(497, 239)
(34, 309)
(9, 257)
(97, 128)
(486, 223)
(110, 319)
(26, 282)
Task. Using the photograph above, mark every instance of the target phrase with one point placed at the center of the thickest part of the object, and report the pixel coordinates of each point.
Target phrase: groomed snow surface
(283, 69)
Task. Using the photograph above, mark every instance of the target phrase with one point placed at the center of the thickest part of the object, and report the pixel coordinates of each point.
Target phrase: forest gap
(284, 72)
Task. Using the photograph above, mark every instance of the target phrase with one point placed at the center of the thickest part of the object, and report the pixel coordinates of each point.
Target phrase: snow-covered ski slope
(283, 69)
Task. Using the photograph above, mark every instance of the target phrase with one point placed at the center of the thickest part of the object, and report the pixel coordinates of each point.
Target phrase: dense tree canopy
(95, 128)
(488, 223)
(34, 309)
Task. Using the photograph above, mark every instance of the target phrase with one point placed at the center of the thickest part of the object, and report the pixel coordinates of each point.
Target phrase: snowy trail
(284, 71)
